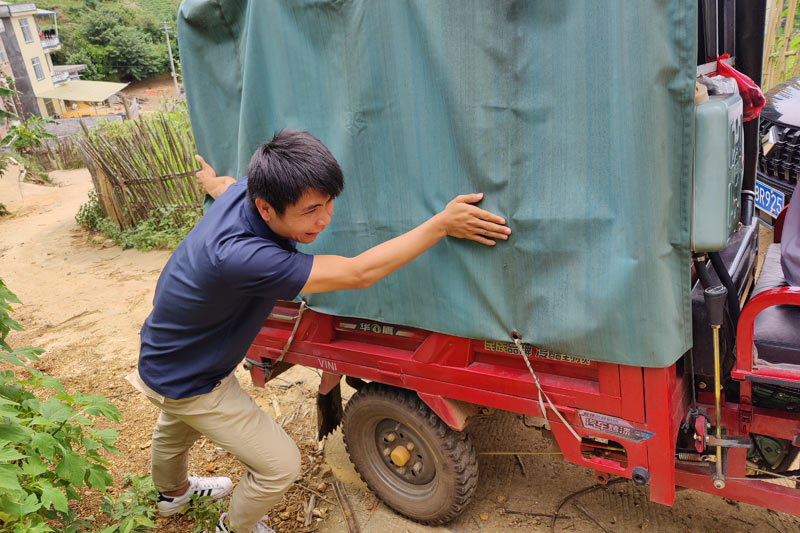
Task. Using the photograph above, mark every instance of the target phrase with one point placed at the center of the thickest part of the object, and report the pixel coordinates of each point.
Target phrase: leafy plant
(164, 228)
(90, 216)
(176, 114)
(49, 448)
(134, 509)
(5, 92)
(205, 512)
(22, 138)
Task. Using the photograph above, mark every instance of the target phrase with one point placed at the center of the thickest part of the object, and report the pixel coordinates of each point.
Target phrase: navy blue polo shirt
(213, 296)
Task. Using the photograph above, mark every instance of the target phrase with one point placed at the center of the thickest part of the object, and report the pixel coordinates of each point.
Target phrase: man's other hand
(463, 220)
(208, 181)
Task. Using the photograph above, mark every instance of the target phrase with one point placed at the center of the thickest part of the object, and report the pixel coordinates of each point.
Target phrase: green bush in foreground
(134, 509)
(49, 448)
(164, 228)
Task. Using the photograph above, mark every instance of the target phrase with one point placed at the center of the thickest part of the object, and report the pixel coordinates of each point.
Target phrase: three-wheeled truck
(722, 416)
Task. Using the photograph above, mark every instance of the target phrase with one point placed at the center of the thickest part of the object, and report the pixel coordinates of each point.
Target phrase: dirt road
(84, 302)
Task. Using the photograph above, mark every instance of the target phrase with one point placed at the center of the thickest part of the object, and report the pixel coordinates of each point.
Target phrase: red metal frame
(746, 367)
(454, 375)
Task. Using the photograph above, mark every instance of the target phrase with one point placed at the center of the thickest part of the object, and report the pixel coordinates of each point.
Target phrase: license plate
(768, 199)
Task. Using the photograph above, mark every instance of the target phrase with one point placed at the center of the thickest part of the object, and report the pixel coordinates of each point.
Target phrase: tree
(130, 54)
(115, 40)
(94, 57)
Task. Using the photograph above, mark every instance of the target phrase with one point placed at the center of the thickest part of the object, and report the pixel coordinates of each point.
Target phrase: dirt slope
(85, 301)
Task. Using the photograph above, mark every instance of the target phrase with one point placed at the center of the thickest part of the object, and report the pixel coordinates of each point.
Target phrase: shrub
(134, 509)
(49, 448)
(90, 216)
(24, 137)
(164, 228)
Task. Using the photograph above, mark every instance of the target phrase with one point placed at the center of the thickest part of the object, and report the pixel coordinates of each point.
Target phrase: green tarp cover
(575, 118)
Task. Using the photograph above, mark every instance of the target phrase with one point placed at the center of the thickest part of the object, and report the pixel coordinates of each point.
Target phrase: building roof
(69, 68)
(8, 10)
(83, 91)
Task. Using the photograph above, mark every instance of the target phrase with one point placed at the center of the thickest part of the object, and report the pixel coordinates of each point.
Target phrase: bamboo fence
(150, 168)
(780, 54)
(57, 154)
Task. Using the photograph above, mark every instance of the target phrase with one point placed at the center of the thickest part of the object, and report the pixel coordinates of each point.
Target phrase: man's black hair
(294, 161)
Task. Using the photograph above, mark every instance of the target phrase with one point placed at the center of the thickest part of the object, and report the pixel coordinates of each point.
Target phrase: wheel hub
(404, 453)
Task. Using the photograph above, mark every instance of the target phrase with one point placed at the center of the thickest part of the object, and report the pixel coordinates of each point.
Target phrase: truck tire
(407, 456)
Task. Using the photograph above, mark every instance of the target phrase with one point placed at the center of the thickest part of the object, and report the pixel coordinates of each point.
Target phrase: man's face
(303, 221)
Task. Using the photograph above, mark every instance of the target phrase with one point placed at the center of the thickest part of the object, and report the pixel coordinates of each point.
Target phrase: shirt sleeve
(261, 268)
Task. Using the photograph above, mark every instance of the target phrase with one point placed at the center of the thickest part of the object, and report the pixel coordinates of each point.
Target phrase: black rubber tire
(452, 454)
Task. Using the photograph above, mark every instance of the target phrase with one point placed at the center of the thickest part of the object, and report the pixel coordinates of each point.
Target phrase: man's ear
(264, 209)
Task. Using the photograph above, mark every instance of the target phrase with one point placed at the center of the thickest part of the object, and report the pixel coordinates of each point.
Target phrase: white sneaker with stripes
(222, 526)
(209, 487)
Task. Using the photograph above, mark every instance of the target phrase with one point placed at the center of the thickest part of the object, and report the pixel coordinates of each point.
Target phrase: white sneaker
(261, 527)
(212, 487)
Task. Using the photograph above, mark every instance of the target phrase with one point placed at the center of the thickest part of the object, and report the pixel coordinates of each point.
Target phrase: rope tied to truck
(303, 307)
(541, 394)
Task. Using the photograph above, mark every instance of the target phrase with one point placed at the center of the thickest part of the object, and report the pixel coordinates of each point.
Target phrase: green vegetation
(176, 114)
(114, 40)
(781, 42)
(49, 447)
(164, 228)
(205, 512)
(134, 509)
(24, 137)
(6, 92)
(144, 170)
(51, 452)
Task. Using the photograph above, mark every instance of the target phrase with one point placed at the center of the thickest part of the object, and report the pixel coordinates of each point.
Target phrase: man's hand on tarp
(466, 221)
(458, 219)
(208, 181)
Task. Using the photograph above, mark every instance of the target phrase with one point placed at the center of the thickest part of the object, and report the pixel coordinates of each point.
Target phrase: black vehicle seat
(776, 331)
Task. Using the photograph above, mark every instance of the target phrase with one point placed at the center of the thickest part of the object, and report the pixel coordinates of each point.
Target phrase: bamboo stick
(787, 36)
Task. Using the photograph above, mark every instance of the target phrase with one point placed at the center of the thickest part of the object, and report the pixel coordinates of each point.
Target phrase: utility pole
(171, 62)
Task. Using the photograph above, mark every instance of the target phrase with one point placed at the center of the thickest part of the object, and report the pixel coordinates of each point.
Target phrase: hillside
(117, 40)
(161, 10)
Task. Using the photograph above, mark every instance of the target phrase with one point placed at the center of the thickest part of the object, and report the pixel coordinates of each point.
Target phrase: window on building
(37, 68)
(51, 109)
(26, 31)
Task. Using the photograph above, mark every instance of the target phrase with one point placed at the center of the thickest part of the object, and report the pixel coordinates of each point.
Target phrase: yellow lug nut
(400, 455)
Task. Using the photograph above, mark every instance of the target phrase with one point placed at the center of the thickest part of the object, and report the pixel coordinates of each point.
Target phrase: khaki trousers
(230, 418)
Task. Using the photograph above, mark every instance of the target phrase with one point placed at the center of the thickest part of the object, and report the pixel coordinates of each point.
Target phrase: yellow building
(29, 35)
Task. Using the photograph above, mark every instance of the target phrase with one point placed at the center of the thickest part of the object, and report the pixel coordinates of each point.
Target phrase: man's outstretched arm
(208, 181)
(459, 219)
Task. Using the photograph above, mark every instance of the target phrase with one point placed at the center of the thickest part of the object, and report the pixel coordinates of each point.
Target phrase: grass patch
(165, 227)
